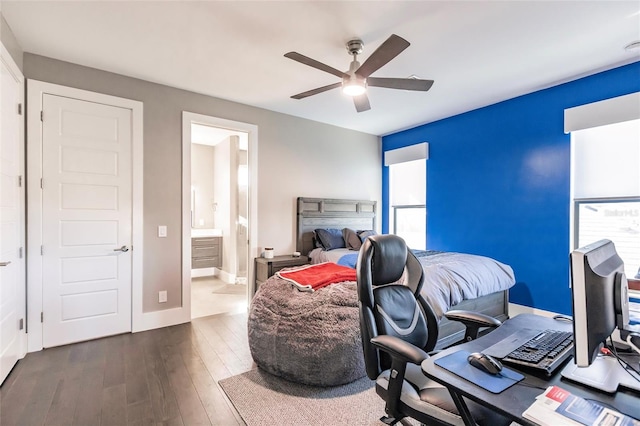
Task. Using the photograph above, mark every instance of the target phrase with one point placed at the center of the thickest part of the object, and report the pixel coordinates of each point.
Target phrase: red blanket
(313, 277)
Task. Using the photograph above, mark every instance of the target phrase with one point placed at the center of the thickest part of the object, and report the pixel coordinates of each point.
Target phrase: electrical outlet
(162, 296)
(162, 231)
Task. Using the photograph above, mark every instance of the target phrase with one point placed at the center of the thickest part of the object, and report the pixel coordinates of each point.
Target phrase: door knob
(5, 263)
(123, 249)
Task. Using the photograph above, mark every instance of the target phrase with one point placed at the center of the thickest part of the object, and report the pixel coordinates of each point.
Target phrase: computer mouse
(485, 362)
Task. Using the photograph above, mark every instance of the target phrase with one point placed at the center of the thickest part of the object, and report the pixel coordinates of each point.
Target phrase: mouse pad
(457, 364)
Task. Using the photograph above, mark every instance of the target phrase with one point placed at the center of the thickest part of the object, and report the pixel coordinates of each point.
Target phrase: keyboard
(545, 352)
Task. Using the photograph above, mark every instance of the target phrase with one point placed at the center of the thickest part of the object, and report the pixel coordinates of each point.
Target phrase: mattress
(450, 277)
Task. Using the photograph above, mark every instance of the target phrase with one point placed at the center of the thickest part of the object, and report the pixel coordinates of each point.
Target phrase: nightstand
(264, 268)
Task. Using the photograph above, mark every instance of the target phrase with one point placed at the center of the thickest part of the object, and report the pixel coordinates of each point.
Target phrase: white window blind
(606, 161)
(408, 183)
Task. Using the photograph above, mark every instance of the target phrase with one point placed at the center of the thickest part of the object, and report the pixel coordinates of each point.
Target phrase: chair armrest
(401, 353)
(472, 321)
(473, 318)
(399, 349)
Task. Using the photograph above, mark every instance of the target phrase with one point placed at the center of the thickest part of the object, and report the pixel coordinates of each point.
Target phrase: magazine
(556, 406)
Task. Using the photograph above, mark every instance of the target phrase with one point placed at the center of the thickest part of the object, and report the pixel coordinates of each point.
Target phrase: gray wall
(296, 157)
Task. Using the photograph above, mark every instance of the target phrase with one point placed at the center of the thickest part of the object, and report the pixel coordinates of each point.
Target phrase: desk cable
(623, 363)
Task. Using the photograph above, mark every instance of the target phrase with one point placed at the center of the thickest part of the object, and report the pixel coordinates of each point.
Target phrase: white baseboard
(515, 309)
(227, 277)
(214, 272)
(204, 272)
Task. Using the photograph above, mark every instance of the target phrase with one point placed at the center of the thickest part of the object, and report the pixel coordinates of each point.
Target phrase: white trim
(418, 151)
(214, 272)
(515, 309)
(602, 113)
(35, 92)
(8, 61)
(252, 130)
(204, 272)
(15, 72)
(227, 277)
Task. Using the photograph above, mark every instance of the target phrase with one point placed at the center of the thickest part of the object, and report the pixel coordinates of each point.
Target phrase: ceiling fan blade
(313, 63)
(383, 54)
(362, 103)
(400, 83)
(316, 91)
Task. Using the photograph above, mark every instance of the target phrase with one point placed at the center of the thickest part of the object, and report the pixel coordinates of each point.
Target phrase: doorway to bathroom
(216, 214)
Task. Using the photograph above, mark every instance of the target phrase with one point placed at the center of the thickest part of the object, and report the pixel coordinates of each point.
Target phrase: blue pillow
(330, 238)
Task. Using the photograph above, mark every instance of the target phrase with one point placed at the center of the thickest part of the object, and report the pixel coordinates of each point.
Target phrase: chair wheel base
(389, 420)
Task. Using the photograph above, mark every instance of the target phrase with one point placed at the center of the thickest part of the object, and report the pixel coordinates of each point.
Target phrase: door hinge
(41, 250)
(21, 324)
(19, 181)
(19, 109)
(20, 253)
(41, 184)
(41, 115)
(41, 316)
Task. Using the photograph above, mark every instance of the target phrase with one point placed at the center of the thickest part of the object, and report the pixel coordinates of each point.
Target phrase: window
(606, 189)
(407, 195)
(617, 220)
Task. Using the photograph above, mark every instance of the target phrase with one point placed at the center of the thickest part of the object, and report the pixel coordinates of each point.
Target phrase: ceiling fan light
(354, 86)
(353, 89)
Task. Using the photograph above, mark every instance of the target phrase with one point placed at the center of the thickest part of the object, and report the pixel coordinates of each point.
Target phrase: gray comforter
(450, 277)
(453, 277)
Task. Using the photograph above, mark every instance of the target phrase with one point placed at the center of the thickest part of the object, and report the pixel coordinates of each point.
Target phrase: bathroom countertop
(199, 233)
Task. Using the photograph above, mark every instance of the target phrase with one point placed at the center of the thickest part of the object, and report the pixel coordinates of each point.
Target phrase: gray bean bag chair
(310, 338)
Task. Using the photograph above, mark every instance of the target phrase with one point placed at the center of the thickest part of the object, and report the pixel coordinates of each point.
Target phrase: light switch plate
(162, 231)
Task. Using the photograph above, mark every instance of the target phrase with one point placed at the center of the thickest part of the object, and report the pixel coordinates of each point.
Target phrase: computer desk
(513, 401)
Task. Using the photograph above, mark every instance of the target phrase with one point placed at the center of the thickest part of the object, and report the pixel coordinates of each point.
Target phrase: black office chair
(399, 328)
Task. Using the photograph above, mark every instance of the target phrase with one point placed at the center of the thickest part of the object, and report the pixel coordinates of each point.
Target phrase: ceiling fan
(355, 81)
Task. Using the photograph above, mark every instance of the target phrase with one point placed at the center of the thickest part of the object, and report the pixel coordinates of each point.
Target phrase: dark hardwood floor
(160, 377)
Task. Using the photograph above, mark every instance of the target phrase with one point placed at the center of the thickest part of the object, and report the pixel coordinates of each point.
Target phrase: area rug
(264, 399)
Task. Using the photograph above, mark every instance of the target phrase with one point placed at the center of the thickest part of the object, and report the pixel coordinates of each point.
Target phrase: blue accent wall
(498, 182)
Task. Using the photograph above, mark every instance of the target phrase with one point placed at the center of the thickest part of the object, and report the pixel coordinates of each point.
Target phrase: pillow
(351, 239)
(366, 233)
(316, 241)
(330, 238)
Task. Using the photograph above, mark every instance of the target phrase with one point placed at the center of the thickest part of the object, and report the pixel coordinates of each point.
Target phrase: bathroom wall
(202, 178)
(224, 190)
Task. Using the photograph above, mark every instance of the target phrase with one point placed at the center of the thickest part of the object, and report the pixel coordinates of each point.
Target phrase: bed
(455, 280)
(298, 335)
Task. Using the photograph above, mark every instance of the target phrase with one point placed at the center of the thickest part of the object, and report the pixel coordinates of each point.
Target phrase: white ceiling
(478, 52)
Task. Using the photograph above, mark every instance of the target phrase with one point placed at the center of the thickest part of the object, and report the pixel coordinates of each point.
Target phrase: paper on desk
(556, 406)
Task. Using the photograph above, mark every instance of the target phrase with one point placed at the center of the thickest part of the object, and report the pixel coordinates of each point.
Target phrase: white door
(86, 220)
(12, 267)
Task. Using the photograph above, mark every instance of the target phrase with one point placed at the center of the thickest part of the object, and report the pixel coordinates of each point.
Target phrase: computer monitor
(600, 297)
